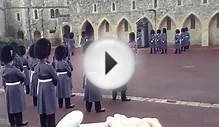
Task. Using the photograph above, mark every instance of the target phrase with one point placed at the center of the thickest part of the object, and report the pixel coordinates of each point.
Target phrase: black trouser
(47, 120)
(34, 101)
(153, 50)
(183, 48)
(177, 51)
(27, 89)
(15, 118)
(164, 51)
(123, 95)
(89, 106)
(67, 102)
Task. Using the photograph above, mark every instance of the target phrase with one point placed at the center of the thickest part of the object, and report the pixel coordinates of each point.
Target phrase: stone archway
(214, 30)
(170, 25)
(123, 30)
(104, 29)
(20, 35)
(37, 35)
(194, 25)
(88, 29)
(66, 29)
(144, 27)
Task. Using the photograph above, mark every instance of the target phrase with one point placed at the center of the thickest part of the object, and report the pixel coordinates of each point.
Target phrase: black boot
(151, 51)
(27, 90)
(114, 95)
(124, 97)
(34, 101)
(43, 120)
(88, 106)
(19, 120)
(68, 104)
(60, 100)
(98, 107)
(51, 120)
(11, 118)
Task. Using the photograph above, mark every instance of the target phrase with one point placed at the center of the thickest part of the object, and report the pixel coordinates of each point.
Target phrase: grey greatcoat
(164, 40)
(183, 40)
(158, 41)
(15, 96)
(17, 62)
(153, 41)
(177, 41)
(33, 77)
(46, 90)
(26, 71)
(92, 93)
(64, 74)
(187, 38)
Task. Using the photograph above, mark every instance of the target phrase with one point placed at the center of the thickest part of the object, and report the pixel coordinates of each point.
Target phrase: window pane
(95, 8)
(35, 14)
(133, 5)
(18, 17)
(52, 13)
(179, 2)
(57, 12)
(205, 1)
(192, 22)
(113, 7)
(155, 3)
(169, 23)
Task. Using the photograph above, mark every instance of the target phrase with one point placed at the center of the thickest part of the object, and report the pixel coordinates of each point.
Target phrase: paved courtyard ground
(191, 77)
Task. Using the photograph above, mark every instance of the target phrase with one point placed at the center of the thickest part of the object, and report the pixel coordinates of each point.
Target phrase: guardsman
(177, 42)
(158, 40)
(33, 61)
(187, 37)
(63, 71)
(17, 61)
(84, 41)
(164, 41)
(153, 42)
(71, 44)
(183, 40)
(15, 96)
(21, 53)
(92, 93)
(47, 82)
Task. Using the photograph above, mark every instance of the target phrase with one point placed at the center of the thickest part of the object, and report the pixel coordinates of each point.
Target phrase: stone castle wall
(2, 18)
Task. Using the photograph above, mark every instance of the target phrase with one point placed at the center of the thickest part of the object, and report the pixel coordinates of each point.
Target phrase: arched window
(193, 23)
(57, 13)
(18, 17)
(107, 27)
(36, 14)
(52, 13)
(133, 5)
(169, 23)
(155, 3)
(113, 7)
(179, 2)
(205, 1)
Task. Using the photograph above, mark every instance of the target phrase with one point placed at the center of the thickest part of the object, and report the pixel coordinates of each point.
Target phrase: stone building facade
(2, 18)
(117, 18)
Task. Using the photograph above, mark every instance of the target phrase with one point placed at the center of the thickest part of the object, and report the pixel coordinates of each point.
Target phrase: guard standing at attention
(13, 79)
(47, 82)
(177, 42)
(153, 42)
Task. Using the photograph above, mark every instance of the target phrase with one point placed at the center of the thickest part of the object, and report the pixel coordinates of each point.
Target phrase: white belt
(62, 73)
(12, 84)
(24, 66)
(44, 80)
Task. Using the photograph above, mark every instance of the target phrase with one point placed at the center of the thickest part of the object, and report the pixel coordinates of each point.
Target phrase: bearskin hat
(14, 45)
(21, 50)
(60, 52)
(158, 31)
(42, 48)
(152, 32)
(31, 51)
(164, 30)
(7, 54)
(183, 30)
(132, 36)
(71, 35)
(177, 31)
(186, 29)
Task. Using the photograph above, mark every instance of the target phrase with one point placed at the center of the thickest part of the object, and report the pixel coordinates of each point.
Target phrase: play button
(109, 63)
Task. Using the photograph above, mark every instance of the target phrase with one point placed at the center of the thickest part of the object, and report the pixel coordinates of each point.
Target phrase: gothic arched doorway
(88, 29)
(143, 32)
(20, 35)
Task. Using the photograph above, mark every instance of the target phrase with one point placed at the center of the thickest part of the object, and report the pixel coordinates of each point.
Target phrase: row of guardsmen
(45, 81)
(158, 43)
